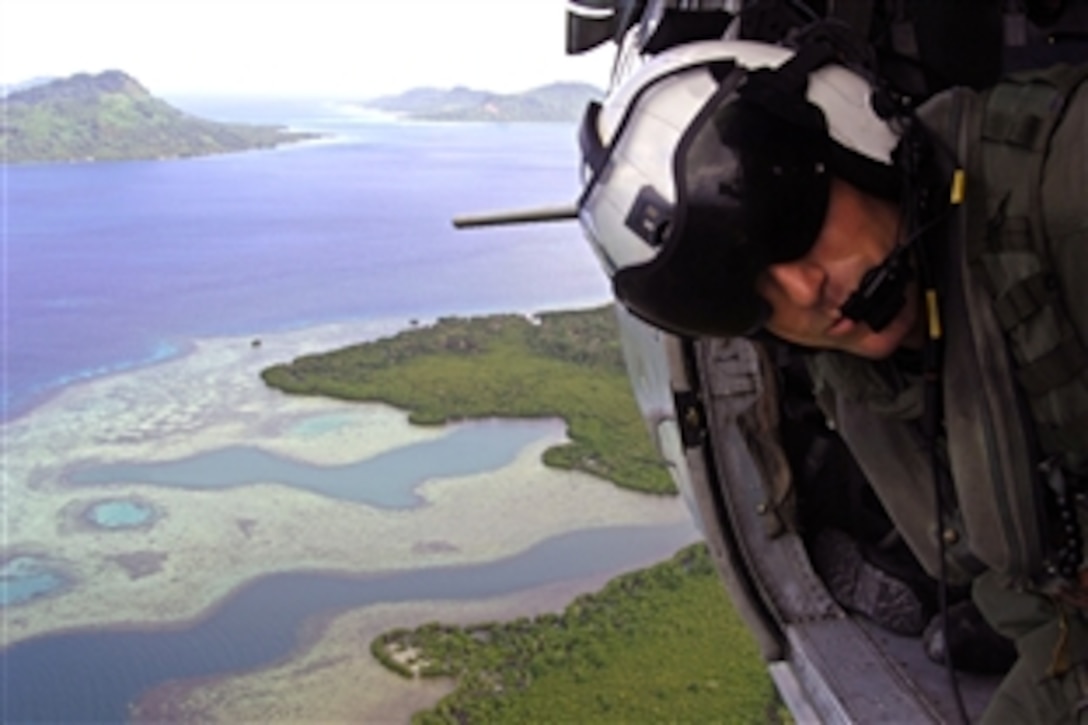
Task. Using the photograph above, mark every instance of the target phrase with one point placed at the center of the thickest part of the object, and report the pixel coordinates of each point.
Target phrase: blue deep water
(112, 265)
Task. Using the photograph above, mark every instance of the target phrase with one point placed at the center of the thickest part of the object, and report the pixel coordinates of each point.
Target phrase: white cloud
(296, 47)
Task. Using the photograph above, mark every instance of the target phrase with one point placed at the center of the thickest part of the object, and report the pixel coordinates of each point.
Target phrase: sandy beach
(204, 544)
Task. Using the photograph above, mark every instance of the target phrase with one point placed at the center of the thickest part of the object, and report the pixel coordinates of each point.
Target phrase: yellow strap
(1059, 660)
(933, 313)
(959, 186)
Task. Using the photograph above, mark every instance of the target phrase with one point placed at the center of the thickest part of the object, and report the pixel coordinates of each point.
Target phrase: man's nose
(801, 281)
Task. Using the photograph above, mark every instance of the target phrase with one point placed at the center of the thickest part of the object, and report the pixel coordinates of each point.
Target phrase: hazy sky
(296, 47)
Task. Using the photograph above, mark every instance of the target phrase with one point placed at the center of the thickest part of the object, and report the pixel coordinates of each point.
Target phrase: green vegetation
(557, 102)
(567, 365)
(112, 117)
(657, 645)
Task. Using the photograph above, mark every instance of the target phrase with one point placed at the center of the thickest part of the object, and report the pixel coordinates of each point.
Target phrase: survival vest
(1013, 252)
(1033, 161)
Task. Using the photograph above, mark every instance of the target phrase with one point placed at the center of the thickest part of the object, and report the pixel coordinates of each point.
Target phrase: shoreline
(340, 679)
(332, 334)
(45, 393)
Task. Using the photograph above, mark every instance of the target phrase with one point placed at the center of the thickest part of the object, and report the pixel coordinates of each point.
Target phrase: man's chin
(879, 345)
(872, 347)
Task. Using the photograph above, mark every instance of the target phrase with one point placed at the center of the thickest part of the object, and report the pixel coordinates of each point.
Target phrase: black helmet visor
(752, 189)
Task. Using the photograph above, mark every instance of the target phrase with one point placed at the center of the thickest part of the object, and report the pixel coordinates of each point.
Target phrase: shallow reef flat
(197, 546)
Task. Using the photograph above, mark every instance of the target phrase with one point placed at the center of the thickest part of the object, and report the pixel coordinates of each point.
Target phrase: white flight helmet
(712, 161)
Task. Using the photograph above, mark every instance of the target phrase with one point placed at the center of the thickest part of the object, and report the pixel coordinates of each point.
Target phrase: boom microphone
(882, 292)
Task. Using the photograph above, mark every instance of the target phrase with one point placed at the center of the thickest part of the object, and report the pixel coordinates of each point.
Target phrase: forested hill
(557, 102)
(110, 116)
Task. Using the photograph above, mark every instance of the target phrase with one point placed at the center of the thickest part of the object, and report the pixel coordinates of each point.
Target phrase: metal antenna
(517, 216)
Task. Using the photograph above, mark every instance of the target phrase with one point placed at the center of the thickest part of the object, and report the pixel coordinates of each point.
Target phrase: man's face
(807, 294)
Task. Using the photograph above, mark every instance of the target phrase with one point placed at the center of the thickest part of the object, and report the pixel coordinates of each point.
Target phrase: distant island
(111, 117)
(10, 88)
(556, 102)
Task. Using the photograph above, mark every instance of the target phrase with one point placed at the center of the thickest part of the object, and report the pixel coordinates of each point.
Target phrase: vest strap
(1025, 298)
(1065, 361)
(1015, 231)
(1006, 128)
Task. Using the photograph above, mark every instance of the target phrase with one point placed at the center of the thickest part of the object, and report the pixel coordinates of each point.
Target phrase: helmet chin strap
(882, 292)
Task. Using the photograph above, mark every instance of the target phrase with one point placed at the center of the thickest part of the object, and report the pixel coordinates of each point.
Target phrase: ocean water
(112, 265)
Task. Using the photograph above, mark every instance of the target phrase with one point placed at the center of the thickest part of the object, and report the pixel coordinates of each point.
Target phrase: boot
(878, 592)
(976, 647)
